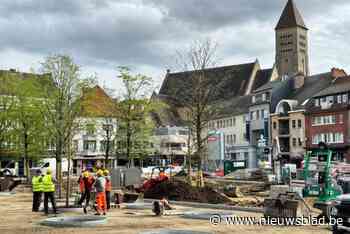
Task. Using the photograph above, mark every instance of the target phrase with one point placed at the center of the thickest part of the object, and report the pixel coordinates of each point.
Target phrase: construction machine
(317, 173)
(319, 183)
(154, 180)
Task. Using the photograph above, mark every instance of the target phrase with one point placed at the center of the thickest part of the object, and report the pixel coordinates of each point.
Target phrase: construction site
(166, 202)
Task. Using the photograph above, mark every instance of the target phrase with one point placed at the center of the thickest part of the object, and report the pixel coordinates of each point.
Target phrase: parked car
(341, 210)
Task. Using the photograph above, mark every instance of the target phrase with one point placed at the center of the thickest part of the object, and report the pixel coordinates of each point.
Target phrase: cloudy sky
(144, 34)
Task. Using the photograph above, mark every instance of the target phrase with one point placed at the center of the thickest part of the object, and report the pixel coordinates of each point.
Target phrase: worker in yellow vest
(37, 187)
(49, 192)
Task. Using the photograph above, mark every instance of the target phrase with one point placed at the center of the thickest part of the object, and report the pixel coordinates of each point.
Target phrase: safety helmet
(85, 174)
(106, 172)
(48, 171)
(99, 173)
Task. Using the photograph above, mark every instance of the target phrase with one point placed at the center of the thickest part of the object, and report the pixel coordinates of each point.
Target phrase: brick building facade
(327, 119)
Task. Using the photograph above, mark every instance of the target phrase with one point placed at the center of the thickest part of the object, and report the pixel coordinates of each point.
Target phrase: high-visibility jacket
(37, 184)
(86, 183)
(48, 185)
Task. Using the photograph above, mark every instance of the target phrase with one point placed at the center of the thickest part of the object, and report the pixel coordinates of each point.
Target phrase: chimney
(167, 71)
(337, 72)
(298, 81)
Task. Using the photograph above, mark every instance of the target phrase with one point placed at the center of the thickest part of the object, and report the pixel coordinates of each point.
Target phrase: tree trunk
(59, 165)
(189, 159)
(68, 176)
(107, 152)
(200, 181)
(26, 158)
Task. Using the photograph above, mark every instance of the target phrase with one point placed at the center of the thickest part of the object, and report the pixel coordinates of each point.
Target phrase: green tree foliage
(30, 129)
(135, 126)
(7, 102)
(62, 104)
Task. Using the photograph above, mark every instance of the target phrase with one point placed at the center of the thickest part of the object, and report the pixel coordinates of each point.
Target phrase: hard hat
(106, 172)
(48, 171)
(86, 174)
(99, 172)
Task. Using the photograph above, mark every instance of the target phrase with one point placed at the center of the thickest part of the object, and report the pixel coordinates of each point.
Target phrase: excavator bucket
(285, 205)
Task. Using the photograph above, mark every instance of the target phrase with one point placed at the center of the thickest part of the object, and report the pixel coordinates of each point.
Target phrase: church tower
(292, 54)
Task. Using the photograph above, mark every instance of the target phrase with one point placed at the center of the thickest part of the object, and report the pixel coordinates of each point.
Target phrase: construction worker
(49, 192)
(100, 185)
(37, 187)
(108, 188)
(86, 182)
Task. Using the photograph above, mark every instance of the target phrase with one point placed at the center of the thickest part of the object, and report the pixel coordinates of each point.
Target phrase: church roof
(233, 79)
(290, 17)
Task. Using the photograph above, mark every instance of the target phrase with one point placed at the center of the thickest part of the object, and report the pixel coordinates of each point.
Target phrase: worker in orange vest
(108, 188)
(86, 182)
(100, 185)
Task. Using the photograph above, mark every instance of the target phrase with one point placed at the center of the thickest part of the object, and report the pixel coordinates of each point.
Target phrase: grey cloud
(145, 33)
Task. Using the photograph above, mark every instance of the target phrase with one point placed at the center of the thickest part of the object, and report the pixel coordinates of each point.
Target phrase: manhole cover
(204, 215)
(164, 231)
(138, 206)
(74, 221)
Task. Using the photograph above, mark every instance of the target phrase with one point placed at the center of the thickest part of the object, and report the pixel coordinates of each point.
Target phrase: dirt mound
(180, 191)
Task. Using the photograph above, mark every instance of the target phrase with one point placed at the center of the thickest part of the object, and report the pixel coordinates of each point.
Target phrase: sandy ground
(16, 217)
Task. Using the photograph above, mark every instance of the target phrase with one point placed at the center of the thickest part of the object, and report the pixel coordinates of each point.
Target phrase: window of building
(274, 124)
(234, 139)
(90, 129)
(339, 138)
(253, 99)
(317, 102)
(263, 114)
(300, 142)
(299, 123)
(330, 99)
(257, 114)
(234, 121)
(294, 142)
(90, 145)
(341, 118)
(293, 123)
(339, 99)
(264, 96)
(230, 122)
(345, 98)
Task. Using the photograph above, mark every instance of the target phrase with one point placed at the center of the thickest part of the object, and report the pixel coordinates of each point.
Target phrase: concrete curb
(212, 206)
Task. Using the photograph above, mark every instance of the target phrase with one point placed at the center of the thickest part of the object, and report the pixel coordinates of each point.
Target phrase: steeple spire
(290, 17)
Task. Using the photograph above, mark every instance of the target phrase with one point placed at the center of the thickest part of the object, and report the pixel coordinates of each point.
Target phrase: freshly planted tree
(133, 114)
(198, 95)
(62, 104)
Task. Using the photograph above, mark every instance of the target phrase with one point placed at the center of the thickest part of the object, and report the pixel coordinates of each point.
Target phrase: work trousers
(108, 199)
(51, 196)
(101, 202)
(85, 196)
(36, 201)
